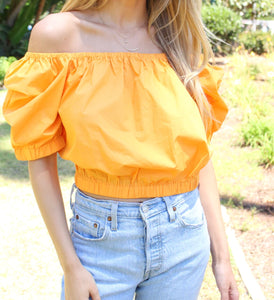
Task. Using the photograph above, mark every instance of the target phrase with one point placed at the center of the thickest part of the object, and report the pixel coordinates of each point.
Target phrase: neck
(125, 14)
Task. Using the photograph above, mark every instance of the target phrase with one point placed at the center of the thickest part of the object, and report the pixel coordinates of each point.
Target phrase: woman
(119, 88)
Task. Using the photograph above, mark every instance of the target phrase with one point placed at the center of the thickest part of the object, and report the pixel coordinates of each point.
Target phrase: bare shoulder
(53, 34)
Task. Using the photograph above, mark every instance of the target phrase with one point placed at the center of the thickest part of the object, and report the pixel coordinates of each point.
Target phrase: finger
(234, 294)
(95, 296)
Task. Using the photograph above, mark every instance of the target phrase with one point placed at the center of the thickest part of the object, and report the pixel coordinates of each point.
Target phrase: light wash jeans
(158, 249)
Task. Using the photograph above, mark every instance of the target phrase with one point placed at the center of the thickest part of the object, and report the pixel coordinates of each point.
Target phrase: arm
(219, 246)
(53, 34)
(46, 188)
(45, 183)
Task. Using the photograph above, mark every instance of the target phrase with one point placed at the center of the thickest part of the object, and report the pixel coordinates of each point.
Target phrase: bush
(16, 19)
(249, 9)
(224, 24)
(249, 87)
(257, 41)
(5, 62)
(259, 133)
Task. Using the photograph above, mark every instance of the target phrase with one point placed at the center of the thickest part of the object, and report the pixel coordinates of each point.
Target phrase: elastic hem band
(136, 190)
(106, 55)
(32, 153)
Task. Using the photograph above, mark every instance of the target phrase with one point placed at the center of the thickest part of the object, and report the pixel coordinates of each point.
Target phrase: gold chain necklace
(124, 38)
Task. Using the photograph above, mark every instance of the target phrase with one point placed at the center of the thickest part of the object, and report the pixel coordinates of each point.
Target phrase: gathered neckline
(98, 55)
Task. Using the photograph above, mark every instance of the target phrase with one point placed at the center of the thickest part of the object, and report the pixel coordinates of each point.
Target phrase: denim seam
(107, 213)
(98, 212)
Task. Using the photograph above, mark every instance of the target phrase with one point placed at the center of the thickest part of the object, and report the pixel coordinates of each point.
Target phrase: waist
(123, 188)
(87, 204)
(101, 197)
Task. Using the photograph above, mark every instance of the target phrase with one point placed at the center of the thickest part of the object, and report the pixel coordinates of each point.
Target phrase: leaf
(3, 4)
(21, 25)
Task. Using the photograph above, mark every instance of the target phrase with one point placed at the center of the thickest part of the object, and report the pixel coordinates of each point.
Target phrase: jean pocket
(88, 227)
(190, 213)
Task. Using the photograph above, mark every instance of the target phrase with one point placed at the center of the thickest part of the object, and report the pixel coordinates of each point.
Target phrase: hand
(225, 281)
(80, 285)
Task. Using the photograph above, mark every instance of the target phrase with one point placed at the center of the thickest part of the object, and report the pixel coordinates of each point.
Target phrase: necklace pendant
(133, 50)
(122, 38)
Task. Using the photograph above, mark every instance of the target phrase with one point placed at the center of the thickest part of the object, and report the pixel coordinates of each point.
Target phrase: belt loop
(170, 208)
(114, 208)
(73, 189)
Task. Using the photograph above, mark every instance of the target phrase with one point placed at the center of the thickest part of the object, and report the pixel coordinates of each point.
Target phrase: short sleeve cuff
(33, 152)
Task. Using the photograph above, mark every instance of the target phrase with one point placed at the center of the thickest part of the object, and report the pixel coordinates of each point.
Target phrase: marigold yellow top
(124, 119)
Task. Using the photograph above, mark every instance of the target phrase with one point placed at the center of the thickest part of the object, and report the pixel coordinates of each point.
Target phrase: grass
(258, 132)
(231, 163)
(29, 265)
(251, 83)
(248, 141)
(250, 87)
(5, 62)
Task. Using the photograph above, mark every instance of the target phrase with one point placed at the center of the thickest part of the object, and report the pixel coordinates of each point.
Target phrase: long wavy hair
(180, 33)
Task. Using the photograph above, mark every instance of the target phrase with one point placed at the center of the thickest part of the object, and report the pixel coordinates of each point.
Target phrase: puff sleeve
(35, 86)
(210, 79)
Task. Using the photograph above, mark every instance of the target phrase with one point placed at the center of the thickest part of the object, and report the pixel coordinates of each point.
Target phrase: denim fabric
(158, 249)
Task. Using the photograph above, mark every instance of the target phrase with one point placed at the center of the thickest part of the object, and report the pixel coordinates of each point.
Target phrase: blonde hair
(180, 33)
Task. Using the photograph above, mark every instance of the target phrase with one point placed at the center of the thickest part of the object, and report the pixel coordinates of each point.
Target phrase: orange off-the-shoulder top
(124, 119)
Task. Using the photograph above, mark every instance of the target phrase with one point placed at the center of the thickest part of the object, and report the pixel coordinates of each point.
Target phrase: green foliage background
(249, 9)
(225, 24)
(16, 18)
(258, 42)
(5, 62)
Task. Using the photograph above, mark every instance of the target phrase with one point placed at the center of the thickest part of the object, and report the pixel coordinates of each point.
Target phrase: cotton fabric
(125, 119)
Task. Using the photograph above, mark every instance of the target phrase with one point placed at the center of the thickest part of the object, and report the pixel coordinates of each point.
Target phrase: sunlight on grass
(29, 265)
(249, 83)
(249, 86)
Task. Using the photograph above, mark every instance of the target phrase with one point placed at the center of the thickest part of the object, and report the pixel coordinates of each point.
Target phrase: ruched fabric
(210, 79)
(124, 119)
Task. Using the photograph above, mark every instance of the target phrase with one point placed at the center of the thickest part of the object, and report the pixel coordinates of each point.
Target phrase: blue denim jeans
(158, 249)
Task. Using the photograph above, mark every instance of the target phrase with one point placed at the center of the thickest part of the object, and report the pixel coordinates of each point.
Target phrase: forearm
(211, 203)
(45, 183)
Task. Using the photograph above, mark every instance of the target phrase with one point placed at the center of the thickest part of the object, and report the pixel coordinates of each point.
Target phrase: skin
(84, 32)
